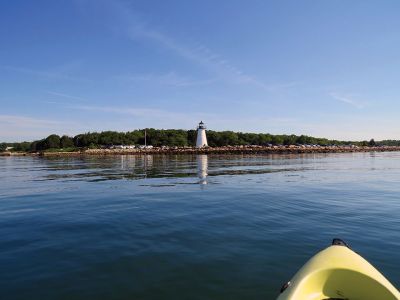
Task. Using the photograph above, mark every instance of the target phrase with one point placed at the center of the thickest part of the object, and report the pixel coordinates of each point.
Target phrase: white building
(123, 147)
(201, 136)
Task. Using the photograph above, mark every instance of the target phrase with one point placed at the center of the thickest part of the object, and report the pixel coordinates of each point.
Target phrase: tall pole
(145, 139)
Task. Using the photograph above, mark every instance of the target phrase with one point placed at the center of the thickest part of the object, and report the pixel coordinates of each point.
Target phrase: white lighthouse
(201, 136)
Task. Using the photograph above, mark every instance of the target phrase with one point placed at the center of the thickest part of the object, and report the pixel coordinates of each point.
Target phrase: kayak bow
(338, 273)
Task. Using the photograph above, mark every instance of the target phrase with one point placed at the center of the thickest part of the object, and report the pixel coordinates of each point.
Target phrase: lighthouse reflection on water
(202, 168)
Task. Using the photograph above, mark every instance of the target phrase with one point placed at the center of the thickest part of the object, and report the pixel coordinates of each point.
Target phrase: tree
(290, 139)
(213, 138)
(277, 140)
(228, 138)
(33, 146)
(86, 139)
(23, 147)
(52, 141)
(66, 142)
(133, 137)
(38, 145)
(191, 137)
(372, 143)
(174, 137)
(265, 139)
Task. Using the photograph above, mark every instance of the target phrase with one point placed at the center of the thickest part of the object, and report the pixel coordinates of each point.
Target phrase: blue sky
(321, 68)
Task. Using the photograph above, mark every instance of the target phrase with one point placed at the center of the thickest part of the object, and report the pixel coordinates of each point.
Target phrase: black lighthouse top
(201, 125)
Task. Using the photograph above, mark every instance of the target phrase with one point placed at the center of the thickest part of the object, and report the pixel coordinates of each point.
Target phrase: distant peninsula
(183, 141)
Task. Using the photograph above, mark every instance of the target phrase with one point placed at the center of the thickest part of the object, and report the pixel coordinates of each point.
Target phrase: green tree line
(175, 137)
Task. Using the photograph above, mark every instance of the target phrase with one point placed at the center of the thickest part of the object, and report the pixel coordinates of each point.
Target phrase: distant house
(9, 148)
(123, 147)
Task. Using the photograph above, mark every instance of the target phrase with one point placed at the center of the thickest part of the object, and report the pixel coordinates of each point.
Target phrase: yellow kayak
(338, 273)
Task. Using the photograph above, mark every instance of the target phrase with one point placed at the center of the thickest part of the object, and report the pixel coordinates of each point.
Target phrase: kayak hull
(338, 273)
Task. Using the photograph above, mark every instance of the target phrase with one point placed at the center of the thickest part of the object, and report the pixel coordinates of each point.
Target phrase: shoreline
(291, 149)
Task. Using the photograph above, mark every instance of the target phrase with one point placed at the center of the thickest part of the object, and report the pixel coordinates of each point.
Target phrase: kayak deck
(339, 273)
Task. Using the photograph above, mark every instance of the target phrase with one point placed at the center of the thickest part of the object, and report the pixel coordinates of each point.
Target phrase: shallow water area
(189, 227)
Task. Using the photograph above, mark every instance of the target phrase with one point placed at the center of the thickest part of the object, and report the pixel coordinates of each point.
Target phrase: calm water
(188, 227)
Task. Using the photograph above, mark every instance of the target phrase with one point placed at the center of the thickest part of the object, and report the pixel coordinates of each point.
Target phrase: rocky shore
(290, 149)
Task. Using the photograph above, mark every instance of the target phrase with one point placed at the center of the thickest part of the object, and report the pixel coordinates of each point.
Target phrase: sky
(321, 68)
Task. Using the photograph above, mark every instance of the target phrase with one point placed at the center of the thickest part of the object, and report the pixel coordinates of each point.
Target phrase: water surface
(188, 227)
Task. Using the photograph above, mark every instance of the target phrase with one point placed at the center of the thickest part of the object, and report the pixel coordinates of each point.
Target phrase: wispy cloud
(160, 118)
(168, 79)
(349, 100)
(136, 112)
(23, 121)
(62, 95)
(149, 115)
(131, 24)
(200, 55)
(59, 73)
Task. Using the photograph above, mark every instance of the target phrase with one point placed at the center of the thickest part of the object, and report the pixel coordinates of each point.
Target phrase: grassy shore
(291, 149)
